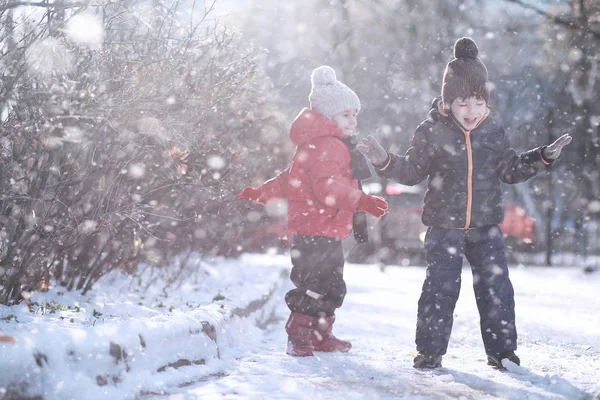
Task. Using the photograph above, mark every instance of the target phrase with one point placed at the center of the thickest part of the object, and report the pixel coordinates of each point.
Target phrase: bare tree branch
(556, 19)
(42, 4)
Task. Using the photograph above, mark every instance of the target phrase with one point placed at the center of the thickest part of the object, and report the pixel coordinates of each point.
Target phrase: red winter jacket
(322, 195)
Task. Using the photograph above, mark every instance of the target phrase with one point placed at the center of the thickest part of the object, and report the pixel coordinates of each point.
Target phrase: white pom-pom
(324, 75)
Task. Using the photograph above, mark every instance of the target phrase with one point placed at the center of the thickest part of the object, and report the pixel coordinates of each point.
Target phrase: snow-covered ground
(557, 315)
(123, 339)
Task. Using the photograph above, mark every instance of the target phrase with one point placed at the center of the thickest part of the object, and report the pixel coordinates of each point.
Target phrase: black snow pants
(484, 249)
(317, 273)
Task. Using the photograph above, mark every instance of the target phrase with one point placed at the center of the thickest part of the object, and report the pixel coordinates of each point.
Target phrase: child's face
(468, 112)
(346, 120)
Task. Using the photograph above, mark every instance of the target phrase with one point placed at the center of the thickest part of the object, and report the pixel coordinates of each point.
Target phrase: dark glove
(250, 193)
(373, 205)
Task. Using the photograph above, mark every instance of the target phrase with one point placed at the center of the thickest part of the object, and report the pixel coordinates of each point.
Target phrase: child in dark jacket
(322, 187)
(464, 153)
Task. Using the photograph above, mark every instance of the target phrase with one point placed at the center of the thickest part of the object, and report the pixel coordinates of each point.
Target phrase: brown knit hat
(465, 75)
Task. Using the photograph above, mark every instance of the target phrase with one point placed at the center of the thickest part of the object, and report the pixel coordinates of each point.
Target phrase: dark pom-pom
(465, 48)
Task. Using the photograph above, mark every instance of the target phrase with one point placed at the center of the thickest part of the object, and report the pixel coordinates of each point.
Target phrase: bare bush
(129, 151)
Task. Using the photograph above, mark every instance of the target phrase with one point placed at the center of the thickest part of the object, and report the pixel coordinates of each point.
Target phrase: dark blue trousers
(484, 249)
(317, 269)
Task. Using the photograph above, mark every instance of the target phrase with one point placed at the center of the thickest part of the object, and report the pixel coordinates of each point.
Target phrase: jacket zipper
(469, 178)
(469, 167)
(440, 107)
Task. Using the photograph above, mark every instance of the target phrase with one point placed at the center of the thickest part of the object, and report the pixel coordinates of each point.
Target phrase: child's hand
(373, 205)
(249, 193)
(553, 151)
(372, 150)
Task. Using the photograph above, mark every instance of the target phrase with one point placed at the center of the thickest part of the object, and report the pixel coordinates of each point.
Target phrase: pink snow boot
(298, 328)
(323, 340)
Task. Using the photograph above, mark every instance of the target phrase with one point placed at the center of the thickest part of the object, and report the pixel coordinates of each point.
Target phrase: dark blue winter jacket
(463, 169)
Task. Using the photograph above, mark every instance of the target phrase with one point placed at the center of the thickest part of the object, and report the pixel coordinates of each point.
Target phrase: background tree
(568, 69)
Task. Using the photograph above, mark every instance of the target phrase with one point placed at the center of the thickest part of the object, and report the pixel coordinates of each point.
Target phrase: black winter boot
(495, 360)
(427, 360)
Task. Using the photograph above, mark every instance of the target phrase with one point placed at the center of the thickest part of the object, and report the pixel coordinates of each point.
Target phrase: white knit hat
(329, 96)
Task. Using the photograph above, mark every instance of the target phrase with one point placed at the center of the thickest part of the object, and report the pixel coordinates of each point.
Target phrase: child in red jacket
(322, 187)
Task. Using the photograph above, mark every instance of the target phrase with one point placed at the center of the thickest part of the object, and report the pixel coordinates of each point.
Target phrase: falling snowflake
(216, 162)
(137, 171)
(85, 30)
(87, 227)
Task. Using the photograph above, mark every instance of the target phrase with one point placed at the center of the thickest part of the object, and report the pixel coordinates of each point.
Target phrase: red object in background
(392, 190)
(518, 224)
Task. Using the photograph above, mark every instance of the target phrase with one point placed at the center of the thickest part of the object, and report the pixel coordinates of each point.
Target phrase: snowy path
(558, 321)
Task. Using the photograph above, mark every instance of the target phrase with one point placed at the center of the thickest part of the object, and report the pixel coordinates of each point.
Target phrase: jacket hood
(309, 125)
(437, 109)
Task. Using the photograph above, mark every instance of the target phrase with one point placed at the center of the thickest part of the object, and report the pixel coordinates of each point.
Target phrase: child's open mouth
(470, 121)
